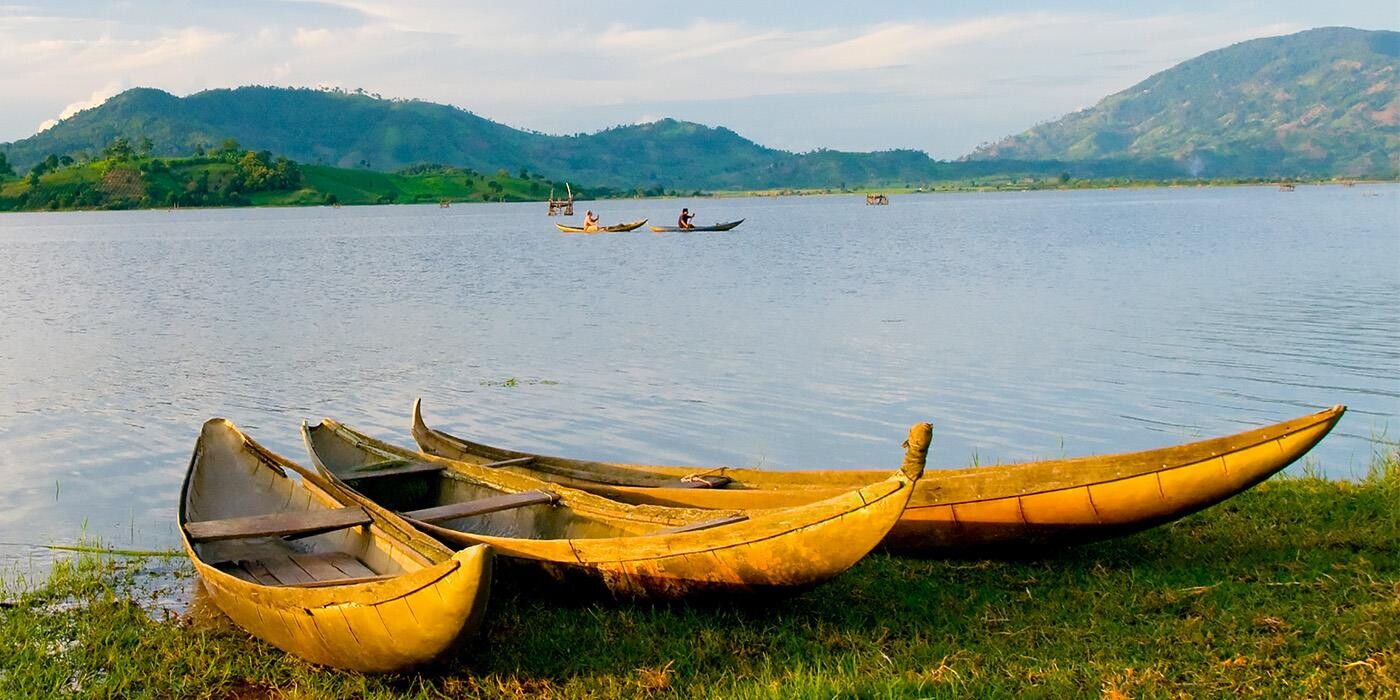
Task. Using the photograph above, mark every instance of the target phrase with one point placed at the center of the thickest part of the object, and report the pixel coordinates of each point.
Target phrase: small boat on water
(615, 228)
(335, 581)
(565, 536)
(711, 227)
(972, 511)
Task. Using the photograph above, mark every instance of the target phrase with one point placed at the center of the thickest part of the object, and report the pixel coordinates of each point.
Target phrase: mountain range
(1317, 103)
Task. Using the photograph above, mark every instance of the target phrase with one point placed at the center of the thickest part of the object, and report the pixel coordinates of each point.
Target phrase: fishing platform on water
(561, 206)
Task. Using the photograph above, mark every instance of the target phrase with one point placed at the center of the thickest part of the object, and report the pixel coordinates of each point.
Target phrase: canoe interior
(304, 566)
(228, 480)
(631, 551)
(344, 457)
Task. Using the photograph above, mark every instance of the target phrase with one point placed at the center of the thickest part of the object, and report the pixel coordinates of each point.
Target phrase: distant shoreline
(291, 202)
(953, 188)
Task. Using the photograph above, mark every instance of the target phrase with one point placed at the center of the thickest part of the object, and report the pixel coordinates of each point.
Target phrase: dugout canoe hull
(972, 511)
(632, 551)
(712, 227)
(418, 600)
(615, 228)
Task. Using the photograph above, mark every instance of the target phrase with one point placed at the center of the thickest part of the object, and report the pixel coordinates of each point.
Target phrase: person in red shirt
(684, 221)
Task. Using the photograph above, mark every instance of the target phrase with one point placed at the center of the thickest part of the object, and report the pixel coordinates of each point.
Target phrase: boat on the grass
(977, 510)
(615, 228)
(335, 581)
(712, 227)
(561, 535)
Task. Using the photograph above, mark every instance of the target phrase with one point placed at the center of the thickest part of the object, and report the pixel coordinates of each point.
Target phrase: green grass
(1289, 590)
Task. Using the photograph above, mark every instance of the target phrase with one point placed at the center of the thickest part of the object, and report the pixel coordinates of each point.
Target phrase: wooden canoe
(615, 228)
(712, 227)
(564, 536)
(335, 582)
(969, 511)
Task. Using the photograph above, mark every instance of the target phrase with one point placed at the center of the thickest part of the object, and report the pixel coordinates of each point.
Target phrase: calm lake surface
(1022, 325)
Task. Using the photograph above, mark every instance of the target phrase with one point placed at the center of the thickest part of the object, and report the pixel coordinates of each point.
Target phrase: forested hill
(360, 130)
(1321, 102)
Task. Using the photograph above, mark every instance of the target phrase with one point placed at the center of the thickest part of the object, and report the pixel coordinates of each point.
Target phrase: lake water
(1022, 325)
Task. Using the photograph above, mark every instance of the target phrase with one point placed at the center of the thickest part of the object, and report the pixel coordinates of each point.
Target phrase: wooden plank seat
(305, 569)
(482, 506)
(300, 523)
(391, 467)
(704, 524)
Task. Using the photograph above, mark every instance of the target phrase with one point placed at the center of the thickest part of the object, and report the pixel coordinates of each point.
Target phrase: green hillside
(230, 176)
(357, 130)
(1320, 102)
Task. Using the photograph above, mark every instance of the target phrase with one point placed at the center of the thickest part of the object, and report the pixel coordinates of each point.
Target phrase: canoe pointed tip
(219, 424)
(916, 450)
(921, 433)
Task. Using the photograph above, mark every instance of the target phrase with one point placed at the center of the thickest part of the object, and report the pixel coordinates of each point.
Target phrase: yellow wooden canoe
(631, 551)
(335, 582)
(615, 228)
(959, 511)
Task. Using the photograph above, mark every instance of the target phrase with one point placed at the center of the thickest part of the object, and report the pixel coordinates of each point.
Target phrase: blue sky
(936, 76)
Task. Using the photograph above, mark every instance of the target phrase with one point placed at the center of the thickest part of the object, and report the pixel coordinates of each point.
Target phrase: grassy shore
(1289, 590)
(223, 180)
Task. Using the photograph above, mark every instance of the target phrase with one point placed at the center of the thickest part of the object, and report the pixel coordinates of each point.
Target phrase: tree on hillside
(144, 146)
(228, 151)
(46, 165)
(258, 172)
(5, 168)
(118, 149)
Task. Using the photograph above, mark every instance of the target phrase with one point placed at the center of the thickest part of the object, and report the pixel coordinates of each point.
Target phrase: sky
(941, 77)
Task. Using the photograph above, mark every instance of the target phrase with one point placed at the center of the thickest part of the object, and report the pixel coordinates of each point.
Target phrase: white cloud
(97, 97)
(312, 38)
(894, 44)
(908, 77)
